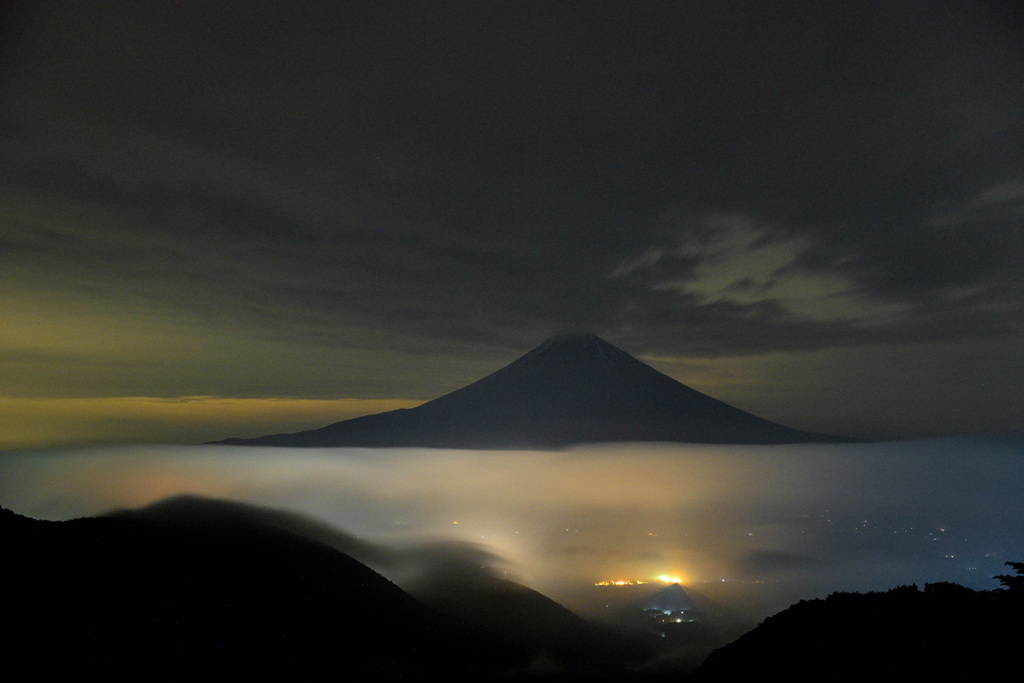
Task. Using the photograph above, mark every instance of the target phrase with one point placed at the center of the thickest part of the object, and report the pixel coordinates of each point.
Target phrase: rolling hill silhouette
(571, 389)
(198, 589)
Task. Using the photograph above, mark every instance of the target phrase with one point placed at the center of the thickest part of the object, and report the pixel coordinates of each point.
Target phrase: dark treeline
(943, 632)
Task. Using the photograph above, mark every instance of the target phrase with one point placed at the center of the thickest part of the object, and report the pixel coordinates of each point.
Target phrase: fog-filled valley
(752, 528)
(570, 553)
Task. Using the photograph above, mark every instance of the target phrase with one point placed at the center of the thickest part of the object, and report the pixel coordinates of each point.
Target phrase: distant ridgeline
(571, 389)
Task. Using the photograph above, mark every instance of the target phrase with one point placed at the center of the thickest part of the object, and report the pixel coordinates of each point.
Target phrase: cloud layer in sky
(384, 200)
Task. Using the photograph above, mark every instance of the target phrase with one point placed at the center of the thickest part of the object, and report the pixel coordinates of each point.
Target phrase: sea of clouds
(756, 528)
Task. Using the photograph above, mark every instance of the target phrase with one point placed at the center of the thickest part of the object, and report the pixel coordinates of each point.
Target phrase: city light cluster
(621, 582)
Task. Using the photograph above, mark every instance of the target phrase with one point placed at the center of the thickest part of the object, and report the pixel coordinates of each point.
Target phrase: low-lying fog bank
(751, 528)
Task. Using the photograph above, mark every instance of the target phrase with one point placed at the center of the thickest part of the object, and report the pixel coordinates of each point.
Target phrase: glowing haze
(754, 527)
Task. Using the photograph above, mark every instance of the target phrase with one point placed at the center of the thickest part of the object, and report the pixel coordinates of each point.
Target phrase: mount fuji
(571, 389)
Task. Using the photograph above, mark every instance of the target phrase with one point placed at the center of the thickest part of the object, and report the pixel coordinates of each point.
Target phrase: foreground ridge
(944, 632)
(205, 589)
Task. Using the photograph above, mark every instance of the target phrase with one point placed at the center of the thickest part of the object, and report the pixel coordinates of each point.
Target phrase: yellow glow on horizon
(38, 422)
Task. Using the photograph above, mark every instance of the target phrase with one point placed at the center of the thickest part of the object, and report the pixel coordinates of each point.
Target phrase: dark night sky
(225, 219)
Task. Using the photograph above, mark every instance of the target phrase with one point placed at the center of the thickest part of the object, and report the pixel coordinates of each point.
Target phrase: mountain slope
(193, 588)
(570, 389)
(558, 639)
(197, 591)
(945, 632)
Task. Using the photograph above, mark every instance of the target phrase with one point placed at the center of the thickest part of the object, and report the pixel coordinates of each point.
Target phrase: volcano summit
(571, 389)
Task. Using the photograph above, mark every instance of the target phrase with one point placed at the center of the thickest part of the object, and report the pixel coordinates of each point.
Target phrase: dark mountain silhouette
(561, 641)
(189, 592)
(512, 613)
(670, 600)
(198, 589)
(570, 389)
(687, 633)
(192, 589)
(945, 632)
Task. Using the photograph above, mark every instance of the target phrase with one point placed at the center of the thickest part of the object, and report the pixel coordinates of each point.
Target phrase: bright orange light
(672, 579)
(620, 582)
